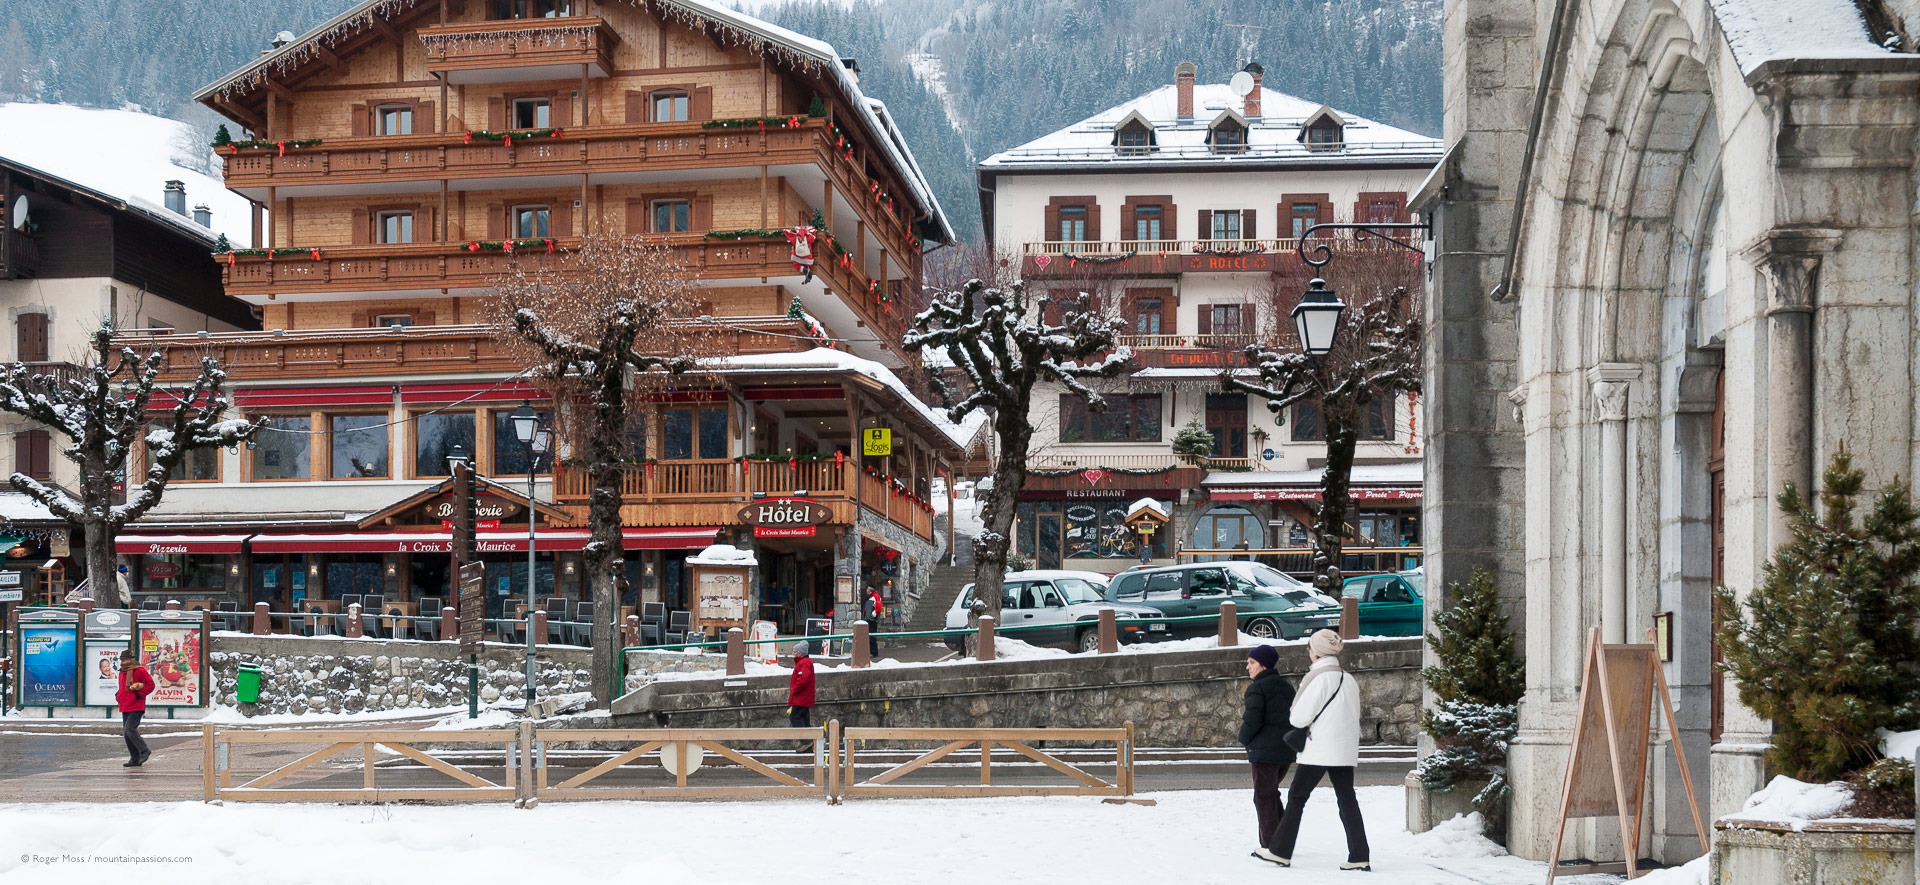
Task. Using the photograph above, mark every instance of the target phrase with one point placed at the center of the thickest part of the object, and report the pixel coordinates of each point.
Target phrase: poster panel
(172, 655)
(49, 658)
(766, 652)
(101, 664)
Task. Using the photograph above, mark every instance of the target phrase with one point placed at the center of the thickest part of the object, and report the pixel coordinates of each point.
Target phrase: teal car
(1390, 605)
(1269, 604)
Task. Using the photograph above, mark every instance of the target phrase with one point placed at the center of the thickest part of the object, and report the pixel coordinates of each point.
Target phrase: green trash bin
(247, 684)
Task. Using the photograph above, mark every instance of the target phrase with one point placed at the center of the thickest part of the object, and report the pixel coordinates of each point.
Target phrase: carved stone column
(1610, 382)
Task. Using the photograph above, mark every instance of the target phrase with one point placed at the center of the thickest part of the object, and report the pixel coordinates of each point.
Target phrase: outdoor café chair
(678, 624)
(430, 609)
(581, 628)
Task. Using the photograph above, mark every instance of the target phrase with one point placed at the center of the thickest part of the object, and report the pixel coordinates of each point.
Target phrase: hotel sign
(1252, 262)
(785, 517)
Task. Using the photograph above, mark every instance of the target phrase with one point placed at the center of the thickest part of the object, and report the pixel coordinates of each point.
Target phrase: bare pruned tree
(102, 410)
(1005, 344)
(608, 322)
(1375, 355)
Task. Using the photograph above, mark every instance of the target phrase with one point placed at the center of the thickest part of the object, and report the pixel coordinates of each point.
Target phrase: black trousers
(1305, 778)
(800, 717)
(1266, 799)
(130, 729)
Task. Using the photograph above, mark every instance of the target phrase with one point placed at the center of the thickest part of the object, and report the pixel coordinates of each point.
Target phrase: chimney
(1252, 107)
(203, 215)
(282, 39)
(1183, 74)
(176, 198)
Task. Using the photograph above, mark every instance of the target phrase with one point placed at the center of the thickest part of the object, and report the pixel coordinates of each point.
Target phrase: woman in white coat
(1328, 705)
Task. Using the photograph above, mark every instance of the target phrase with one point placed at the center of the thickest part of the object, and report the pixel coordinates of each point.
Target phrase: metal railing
(1298, 561)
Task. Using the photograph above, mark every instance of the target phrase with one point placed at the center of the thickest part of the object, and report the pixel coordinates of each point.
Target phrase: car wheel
(1263, 628)
(1089, 641)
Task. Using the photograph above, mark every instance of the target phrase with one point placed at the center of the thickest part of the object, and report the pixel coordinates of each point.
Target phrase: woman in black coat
(1262, 728)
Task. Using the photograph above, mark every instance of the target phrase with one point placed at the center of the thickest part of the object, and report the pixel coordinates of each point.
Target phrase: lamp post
(526, 428)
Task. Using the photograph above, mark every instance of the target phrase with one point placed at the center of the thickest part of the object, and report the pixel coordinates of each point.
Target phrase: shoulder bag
(1296, 738)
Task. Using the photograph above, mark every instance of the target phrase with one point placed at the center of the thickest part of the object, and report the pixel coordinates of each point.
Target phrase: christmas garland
(512, 245)
(511, 134)
(232, 255)
(1109, 259)
(237, 146)
(793, 122)
(741, 234)
(1256, 249)
(1125, 471)
(811, 456)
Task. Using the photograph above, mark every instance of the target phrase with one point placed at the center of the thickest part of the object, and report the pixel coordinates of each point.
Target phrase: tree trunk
(603, 553)
(100, 570)
(995, 542)
(1330, 526)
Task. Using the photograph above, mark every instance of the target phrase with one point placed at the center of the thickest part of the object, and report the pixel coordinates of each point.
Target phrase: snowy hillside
(125, 154)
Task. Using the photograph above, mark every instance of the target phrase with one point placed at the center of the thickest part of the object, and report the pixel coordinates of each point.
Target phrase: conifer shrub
(1477, 684)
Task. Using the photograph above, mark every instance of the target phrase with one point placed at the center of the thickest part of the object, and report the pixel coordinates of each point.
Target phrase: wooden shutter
(362, 227)
(561, 222)
(1169, 222)
(1325, 215)
(1093, 222)
(496, 221)
(33, 453)
(32, 331)
(636, 217)
(1248, 229)
(560, 115)
(423, 118)
(1169, 311)
(362, 120)
(702, 214)
(1128, 230)
(1206, 319)
(700, 104)
(1206, 225)
(1053, 224)
(423, 229)
(636, 107)
(1247, 320)
(496, 113)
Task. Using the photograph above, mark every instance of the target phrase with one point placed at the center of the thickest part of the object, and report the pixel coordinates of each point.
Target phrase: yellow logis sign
(877, 441)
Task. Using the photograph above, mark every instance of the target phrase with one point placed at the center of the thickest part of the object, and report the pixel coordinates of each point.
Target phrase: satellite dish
(1242, 83)
(20, 214)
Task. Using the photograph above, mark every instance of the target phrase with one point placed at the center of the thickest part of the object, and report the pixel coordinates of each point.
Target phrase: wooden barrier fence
(680, 752)
(322, 784)
(1019, 740)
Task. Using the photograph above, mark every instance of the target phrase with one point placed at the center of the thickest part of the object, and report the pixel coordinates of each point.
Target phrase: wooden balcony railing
(1230, 341)
(1155, 461)
(520, 43)
(665, 483)
(19, 255)
(1057, 258)
(1104, 248)
(415, 350)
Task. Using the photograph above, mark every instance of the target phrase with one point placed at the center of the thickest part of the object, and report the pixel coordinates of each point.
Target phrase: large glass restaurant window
(509, 453)
(359, 445)
(434, 436)
(686, 434)
(191, 572)
(281, 451)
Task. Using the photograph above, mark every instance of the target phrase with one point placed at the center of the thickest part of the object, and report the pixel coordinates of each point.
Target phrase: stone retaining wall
(304, 675)
(1174, 699)
(1824, 852)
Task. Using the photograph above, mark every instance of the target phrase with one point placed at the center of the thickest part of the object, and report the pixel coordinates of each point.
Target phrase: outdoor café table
(316, 607)
(390, 624)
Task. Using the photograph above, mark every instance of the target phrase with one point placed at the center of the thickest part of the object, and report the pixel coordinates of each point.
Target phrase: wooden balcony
(416, 350)
(1057, 258)
(1091, 460)
(710, 491)
(490, 51)
(19, 255)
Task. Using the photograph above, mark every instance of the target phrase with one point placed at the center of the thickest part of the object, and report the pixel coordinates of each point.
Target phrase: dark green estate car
(1390, 605)
(1269, 604)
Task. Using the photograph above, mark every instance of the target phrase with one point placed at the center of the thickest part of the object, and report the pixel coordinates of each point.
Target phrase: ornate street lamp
(1317, 318)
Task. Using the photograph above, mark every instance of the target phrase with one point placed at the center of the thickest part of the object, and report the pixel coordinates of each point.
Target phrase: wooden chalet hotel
(406, 153)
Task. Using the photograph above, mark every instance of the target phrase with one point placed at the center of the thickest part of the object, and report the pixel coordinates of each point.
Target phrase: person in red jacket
(800, 688)
(135, 685)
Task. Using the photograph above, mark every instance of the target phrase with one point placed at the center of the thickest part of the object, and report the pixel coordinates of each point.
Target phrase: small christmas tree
(817, 108)
(796, 310)
(1478, 682)
(1193, 439)
(221, 137)
(1827, 645)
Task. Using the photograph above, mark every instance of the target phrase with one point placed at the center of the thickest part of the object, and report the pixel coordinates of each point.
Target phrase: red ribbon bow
(283, 147)
(556, 133)
(229, 257)
(469, 138)
(508, 246)
(473, 247)
(316, 253)
(549, 243)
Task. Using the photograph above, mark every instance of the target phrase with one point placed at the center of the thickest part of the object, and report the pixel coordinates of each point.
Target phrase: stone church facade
(1674, 270)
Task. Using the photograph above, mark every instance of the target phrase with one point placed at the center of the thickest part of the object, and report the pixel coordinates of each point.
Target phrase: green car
(1270, 605)
(1390, 605)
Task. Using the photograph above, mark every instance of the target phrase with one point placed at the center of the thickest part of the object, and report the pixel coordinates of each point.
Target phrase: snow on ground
(1788, 801)
(1188, 837)
(1463, 836)
(1693, 872)
(1898, 744)
(125, 154)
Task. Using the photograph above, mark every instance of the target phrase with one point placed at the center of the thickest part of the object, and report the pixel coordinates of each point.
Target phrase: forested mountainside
(964, 78)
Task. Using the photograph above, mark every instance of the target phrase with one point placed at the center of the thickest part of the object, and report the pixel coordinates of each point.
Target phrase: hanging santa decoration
(802, 239)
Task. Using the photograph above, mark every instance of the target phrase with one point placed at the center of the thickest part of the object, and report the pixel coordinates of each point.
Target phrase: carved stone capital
(1610, 382)
(1790, 259)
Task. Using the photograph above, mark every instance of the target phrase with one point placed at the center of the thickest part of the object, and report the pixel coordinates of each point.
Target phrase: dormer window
(1324, 130)
(1134, 136)
(509, 9)
(1228, 134)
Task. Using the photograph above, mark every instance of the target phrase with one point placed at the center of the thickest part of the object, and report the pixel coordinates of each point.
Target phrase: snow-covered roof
(735, 27)
(1272, 138)
(131, 204)
(1759, 31)
(822, 359)
(1149, 504)
(1403, 473)
(16, 507)
(723, 554)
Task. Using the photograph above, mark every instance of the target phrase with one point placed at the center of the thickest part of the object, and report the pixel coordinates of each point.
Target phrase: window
(178, 571)
(1376, 425)
(396, 227)
(359, 444)
(687, 434)
(33, 453)
(551, 8)
(393, 119)
(1382, 211)
(1225, 318)
(672, 216)
(509, 453)
(1146, 222)
(530, 221)
(1146, 320)
(670, 106)
(1225, 528)
(392, 320)
(434, 436)
(199, 465)
(1073, 224)
(1305, 215)
(282, 450)
(1131, 587)
(532, 113)
(1324, 133)
(1134, 139)
(1227, 421)
(1226, 225)
(1228, 138)
(636, 435)
(1134, 418)
(1099, 530)
(1165, 585)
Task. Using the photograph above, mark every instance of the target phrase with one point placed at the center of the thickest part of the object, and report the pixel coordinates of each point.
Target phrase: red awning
(166, 544)
(471, 391)
(562, 540)
(275, 397)
(1310, 493)
(667, 538)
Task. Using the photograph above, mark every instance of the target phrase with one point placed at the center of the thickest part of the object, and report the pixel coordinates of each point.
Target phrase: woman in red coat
(800, 688)
(135, 685)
